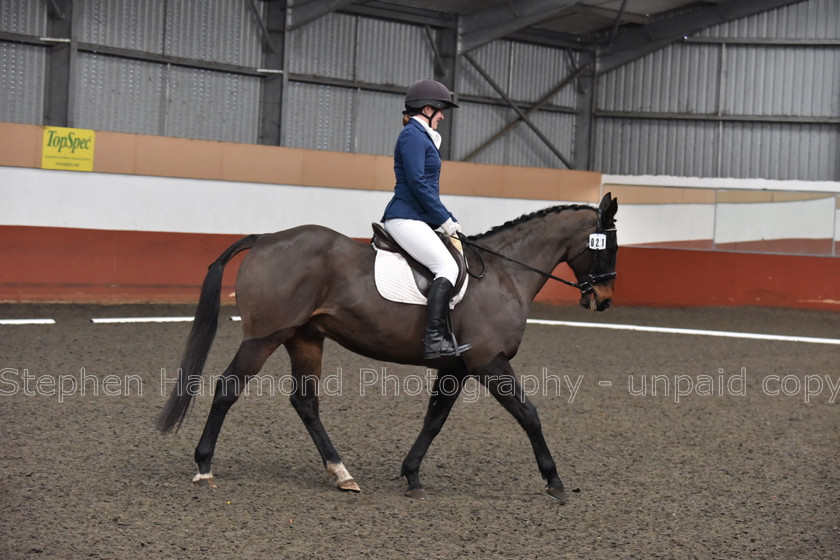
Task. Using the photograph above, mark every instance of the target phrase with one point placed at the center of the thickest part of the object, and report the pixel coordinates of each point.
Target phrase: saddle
(423, 277)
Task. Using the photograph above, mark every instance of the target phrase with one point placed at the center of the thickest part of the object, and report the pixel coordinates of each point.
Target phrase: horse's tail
(199, 340)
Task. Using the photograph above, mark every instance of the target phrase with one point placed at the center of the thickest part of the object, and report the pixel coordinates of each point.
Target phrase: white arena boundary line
(27, 321)
(610, 326)
(116, 320)
(668, 330)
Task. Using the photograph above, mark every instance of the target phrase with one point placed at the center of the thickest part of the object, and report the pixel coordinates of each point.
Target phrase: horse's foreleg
(247, 362)
(501, 381)
(305, 352)
(444, 394)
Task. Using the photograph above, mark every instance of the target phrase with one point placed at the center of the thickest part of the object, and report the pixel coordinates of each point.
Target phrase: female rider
(416, 210)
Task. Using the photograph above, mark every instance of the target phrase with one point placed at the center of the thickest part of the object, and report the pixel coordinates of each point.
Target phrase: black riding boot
(439, 341)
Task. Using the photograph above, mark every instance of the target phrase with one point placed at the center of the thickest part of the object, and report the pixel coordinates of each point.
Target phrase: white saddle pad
(395, 281)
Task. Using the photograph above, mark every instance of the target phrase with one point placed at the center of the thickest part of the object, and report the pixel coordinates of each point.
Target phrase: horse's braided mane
(526, 217)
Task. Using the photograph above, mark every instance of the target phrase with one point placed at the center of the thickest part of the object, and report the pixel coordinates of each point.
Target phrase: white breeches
(422, 243)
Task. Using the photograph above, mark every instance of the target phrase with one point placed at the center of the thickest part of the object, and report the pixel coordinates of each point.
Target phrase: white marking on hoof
(206, 478)
(343, 479)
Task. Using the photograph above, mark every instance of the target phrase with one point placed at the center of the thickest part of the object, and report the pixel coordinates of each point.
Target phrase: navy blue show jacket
(417, 170)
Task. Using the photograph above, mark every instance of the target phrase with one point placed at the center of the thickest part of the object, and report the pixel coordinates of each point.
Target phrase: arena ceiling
(617, 31)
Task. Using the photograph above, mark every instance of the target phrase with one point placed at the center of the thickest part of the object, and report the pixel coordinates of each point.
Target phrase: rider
(416, 210)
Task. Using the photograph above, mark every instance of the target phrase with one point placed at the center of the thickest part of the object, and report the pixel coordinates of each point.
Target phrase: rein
(585, 287)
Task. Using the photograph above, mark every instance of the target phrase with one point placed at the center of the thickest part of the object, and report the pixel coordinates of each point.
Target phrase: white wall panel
(807, 219)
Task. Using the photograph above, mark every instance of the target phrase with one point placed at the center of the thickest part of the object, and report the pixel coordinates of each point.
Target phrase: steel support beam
(302, 12)
(266, 34)
(522, 115)
(274, 77)
(501, 20)
(59, 97)
(584, 118)
(536, 106)
(444, 46)
(631, 44)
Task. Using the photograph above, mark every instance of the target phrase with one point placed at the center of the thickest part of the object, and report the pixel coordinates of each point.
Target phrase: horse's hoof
(348, 485)
(205, 480)
(557, 493)
(416, 493)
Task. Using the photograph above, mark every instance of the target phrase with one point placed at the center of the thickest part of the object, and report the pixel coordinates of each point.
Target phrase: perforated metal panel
(127, 24)
(710, 106)
(212, 105)
(731, 107)
(475, 123)
(316, 117)
(218, 30)
(767, 150)
(678, 79)
(119, 95)
(791, 81)
(536, 70)
(654, 146)
(494, 58)
(812, 19)
(27, 17)
(393, 53)
(325, 47)
(152, 98)
(22, 70)
(378, 122)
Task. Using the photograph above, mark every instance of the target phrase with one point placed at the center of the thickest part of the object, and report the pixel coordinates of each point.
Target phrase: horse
(299, 286)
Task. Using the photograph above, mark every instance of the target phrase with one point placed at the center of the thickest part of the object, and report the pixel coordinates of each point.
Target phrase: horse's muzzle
(590, 300)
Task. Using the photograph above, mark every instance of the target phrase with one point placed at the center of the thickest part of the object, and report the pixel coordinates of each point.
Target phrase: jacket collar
(434, 135)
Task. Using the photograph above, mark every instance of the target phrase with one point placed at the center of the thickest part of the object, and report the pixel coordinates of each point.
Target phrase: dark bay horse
(297, 287)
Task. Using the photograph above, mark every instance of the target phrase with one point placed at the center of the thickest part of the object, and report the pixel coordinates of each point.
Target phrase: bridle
(598, 243)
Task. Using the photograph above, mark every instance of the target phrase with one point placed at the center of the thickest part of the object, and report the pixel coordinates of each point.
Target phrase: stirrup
(449, 348)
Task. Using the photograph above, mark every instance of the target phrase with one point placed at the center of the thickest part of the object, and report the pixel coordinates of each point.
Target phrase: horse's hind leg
(247, 362)
(305, 352)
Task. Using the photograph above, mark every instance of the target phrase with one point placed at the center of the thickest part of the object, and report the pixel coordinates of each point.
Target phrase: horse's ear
(608, 208)
(605, 202)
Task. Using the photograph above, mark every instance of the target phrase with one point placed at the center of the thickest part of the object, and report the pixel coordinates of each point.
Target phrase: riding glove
(450, 227)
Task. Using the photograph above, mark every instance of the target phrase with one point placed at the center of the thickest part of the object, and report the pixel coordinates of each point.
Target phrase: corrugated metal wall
(756, 97)
(28, 17)
(364, 53)
(22, 67)
(526, 73)
(148, 97)
(127, 92)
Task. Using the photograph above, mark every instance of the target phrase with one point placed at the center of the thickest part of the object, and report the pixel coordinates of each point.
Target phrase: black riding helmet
(427, 92)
